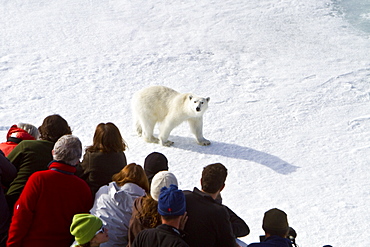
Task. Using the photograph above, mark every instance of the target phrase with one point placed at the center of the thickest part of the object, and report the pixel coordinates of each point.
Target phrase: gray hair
(68, 149)
(32, 130)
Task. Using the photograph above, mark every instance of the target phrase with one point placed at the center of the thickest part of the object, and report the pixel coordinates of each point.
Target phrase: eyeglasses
(101, 230)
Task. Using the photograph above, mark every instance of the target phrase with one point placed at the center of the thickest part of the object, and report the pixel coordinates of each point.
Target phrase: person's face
(101, 237)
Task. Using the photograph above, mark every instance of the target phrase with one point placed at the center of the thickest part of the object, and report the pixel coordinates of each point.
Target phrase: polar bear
(159, 104)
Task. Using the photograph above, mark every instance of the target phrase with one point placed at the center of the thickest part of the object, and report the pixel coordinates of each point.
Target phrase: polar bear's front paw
(204, 142)
(167, 143)
(152, 140)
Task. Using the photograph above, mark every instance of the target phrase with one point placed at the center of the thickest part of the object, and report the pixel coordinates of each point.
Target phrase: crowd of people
(49, 198)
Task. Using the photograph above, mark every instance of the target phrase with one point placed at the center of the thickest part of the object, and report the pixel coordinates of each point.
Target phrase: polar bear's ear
(208, 99)
(190, 97)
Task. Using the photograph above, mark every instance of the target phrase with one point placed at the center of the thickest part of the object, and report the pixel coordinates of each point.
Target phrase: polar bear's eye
(195, 102)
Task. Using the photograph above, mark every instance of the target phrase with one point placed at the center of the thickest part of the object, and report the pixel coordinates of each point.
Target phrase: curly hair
(53, 127)
(149, 214)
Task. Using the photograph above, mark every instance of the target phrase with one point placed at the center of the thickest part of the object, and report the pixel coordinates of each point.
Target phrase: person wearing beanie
(172, 208)
(211, 223)
(49, 200)
(88, 230)
(145, 213)
(154, 163)
(160, 180)
(276, 227)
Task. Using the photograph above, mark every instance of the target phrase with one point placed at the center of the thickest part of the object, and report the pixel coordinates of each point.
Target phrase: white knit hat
(160, 180)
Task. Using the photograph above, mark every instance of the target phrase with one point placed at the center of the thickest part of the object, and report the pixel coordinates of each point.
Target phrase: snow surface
(289, 84)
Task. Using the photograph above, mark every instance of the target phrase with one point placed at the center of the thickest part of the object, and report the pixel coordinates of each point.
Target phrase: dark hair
(149, 212)
(53, 127)
(107, 139)
(213, 177)
(132, 173)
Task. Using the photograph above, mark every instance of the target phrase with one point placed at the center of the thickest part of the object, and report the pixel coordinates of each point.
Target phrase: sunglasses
(101, 230)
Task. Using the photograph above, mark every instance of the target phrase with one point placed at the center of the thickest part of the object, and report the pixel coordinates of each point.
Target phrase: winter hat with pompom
(171, 201)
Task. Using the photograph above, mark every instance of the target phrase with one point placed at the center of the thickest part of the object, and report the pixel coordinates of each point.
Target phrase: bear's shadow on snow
(237, 152)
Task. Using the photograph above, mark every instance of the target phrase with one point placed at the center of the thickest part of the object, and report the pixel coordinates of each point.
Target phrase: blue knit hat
(171, 201)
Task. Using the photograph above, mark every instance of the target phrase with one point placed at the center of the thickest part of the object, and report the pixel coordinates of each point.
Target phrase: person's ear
(222, 187)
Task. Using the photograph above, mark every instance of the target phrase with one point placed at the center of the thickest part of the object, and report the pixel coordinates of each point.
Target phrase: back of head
(68, 149)
(275, 222)
(32, 130)
(171, 201)
(84, 227)
(107, 139)
(53, 127)
(154, 163)
(132, 173)
(160, 180)
(213, 177)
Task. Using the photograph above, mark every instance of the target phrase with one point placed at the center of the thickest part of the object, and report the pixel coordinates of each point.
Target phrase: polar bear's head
(198, 104)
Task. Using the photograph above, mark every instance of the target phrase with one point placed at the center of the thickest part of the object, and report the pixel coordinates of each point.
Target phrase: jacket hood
(16, 132)
(118, 193)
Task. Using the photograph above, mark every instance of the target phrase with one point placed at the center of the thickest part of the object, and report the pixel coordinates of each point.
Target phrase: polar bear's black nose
(198, 108)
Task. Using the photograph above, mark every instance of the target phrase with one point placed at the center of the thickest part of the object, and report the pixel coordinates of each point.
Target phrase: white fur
(159, 104)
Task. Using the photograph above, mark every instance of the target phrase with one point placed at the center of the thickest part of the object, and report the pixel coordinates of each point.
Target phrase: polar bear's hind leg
(147, 130)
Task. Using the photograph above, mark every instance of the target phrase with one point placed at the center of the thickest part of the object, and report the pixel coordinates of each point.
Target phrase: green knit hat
(275, 220)
(84, 227)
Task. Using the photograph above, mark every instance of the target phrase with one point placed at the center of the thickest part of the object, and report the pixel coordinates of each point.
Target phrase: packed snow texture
(289, 83)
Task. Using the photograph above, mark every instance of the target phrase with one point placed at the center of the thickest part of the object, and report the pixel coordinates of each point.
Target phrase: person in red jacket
(50, 199)
(16, 134)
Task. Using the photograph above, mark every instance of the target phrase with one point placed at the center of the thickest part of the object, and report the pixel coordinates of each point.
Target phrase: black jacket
(162, 235)
(208, 221)
(240, 228)
(98, 168)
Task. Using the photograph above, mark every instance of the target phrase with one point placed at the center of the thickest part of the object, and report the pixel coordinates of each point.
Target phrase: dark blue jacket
(273, 241)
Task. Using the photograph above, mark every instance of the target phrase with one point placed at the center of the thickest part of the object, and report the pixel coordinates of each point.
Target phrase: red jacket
(14, 136)
(44, 211)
